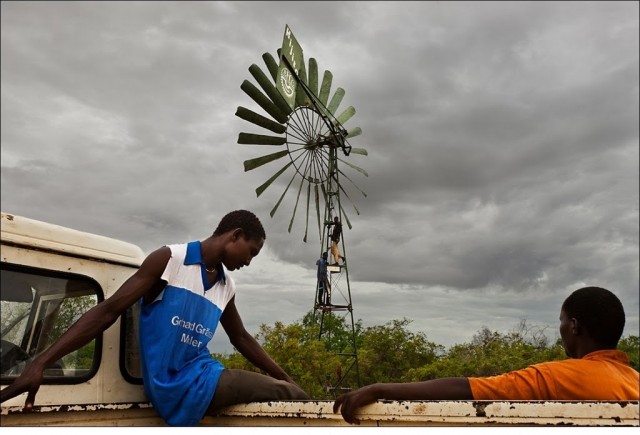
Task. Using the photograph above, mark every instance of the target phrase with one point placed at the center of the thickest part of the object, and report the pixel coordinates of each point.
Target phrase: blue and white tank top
(179, 374)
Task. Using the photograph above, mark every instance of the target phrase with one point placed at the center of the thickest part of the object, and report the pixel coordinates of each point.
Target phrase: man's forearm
(436, 389)
(92, 323)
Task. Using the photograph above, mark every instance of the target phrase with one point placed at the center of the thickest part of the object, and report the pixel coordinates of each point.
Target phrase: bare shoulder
(158, 259)
(146, 281)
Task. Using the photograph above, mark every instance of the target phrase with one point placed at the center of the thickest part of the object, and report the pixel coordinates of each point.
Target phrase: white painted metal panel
(114, 262)
(36, 234)
(320, 413)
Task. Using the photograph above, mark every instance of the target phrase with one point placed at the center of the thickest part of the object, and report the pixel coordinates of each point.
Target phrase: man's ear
(576, 327)
(237, 233)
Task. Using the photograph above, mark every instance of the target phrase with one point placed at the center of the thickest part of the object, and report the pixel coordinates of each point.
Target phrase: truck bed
(320, 413)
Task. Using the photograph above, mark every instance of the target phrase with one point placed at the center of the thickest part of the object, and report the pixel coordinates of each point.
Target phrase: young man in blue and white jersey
(185, 291)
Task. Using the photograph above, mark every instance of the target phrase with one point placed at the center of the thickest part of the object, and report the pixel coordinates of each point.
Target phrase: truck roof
(22, 231)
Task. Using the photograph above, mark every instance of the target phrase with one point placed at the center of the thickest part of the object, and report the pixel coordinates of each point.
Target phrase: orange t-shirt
(600, 375)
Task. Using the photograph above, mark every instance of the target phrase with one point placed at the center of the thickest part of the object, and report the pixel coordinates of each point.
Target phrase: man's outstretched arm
(247, 345)
(436, 389)
(89, 325)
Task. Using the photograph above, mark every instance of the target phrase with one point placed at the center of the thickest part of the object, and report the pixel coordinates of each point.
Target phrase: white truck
(52, 274)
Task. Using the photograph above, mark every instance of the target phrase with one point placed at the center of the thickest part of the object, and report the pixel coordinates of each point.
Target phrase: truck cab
(50, 276)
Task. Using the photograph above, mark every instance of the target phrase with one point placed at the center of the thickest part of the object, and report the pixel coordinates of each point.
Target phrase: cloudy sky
(502, 137)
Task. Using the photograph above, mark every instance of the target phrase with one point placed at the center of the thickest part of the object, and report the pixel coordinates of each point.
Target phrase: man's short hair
(246, 221)
(599, 311)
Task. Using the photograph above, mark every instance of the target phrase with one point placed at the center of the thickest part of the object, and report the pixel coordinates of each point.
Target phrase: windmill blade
(357, 131)
(306, 228)
(264, 102)
(350, 200)
(313, 76)
(259, 161)
(354, 184)
(259, 120)
(267, 183)
(325, 197)
(360, 151)
(346, 115)
(324, 193)
(260, 139)
(271, 64)
(315, 188)
(336, 100)
(302, 99)
(357, 168)
(295, 208)
(346, 218)
(325, 88)
(270, 89)
(275, 207)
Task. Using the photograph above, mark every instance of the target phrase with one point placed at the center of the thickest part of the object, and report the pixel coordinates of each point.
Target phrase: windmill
(308, 130)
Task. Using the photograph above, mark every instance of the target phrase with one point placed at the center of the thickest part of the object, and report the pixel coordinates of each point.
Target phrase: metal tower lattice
(338, 297)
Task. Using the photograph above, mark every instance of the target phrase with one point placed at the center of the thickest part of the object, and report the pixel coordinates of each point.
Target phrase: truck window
(129, 348)
(37, 307)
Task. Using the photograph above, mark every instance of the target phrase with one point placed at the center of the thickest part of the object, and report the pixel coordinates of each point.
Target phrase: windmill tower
(314, 139)
(337, 298)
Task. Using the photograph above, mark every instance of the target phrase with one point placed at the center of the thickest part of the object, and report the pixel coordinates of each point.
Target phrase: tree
(299, 351)
(631, 345)
(490, 353)
(68, 312)
(388, 352)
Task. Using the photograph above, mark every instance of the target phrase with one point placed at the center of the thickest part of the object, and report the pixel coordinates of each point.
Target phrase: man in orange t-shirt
(591, 324)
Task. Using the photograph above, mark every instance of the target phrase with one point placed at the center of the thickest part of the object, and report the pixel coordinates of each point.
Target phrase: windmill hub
(312, 144)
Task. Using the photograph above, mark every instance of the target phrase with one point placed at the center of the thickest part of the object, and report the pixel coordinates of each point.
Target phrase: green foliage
(393, 353)
(85, 356)
(490, 353)
(388, 352)
(299, 351)
(631, 345)
(69, 311)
